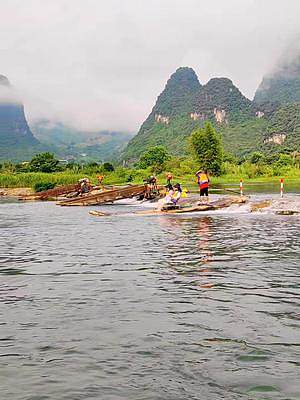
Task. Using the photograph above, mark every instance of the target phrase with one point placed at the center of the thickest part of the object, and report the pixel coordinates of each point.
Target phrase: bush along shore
(44, 171)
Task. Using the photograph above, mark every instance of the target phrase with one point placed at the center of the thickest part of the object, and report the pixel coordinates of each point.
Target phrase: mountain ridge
(268, 123)
(245, 125)
(16, 139)
(219, 100)
(71, 143)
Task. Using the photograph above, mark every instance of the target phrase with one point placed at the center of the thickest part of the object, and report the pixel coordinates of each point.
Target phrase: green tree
(41, 186)
(107, 167)
(154, 157)
(257, 157)
(284, 160)
(206, 146)
(44, 162)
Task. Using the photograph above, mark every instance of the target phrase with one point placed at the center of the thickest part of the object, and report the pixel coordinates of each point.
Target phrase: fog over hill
(270, 123)
(16, 138)
(91, 66)
(281, 85)
(97, 65)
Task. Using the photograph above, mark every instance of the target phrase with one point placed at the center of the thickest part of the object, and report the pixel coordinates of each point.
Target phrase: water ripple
(147, 308)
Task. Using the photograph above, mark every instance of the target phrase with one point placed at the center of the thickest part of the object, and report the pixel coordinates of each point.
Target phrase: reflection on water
(171, 307)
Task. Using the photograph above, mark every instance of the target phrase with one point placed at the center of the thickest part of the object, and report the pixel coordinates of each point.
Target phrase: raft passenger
(100, 181)
(169, 181)
(85, 186)
(177, 193)
(203, 182)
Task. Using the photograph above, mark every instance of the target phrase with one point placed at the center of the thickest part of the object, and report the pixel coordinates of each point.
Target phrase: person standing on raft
(203, 182)
(100, 181)
(169, 177)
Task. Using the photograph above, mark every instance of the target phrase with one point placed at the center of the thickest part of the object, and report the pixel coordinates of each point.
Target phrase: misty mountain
(19, 142)
(283, 129)
(70, 143)
(168, 121)
(269, 123)
(178, 95)
(278, 100)
(281, 86)
(183, 106)
(16, 139)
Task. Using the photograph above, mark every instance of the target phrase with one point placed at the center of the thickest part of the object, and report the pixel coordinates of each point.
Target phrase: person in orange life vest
(169, 179)
(203, 182)
(100, 179)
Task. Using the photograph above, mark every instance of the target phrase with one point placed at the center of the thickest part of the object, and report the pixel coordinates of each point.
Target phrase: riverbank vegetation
(205, 151)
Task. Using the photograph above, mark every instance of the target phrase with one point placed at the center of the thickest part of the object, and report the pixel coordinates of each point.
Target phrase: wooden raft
(215, 205)
(55, 192)
(107, 196)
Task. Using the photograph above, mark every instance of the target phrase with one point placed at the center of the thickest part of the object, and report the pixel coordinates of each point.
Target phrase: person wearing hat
(203, 182)
(177, 193)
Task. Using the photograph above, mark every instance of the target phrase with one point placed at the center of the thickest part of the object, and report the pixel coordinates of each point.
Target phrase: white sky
(100, 64)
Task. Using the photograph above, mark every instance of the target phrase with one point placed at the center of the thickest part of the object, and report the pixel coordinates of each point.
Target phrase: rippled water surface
(131, 307)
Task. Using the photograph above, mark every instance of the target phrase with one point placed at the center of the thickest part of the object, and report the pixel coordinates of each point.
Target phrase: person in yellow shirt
(203, 182)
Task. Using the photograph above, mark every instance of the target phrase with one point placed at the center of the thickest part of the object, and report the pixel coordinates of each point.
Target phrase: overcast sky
(100, 64)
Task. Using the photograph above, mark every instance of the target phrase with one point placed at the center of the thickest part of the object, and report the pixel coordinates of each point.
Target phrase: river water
(163, 307)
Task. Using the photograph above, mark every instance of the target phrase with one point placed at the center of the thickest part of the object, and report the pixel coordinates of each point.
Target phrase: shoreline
(11, 188)
(15, 192)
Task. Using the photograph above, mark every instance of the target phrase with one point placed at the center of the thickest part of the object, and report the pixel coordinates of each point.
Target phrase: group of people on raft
(175, 192)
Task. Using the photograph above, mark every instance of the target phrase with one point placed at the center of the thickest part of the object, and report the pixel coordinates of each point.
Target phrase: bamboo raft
(107, 196)
(215, 205)
(52, 193)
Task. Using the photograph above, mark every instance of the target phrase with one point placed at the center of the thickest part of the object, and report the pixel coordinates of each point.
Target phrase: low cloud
(101, 65)
(8, 94)
(288, 64)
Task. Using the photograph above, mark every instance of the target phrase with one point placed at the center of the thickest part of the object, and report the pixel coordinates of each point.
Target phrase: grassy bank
(30, 179)
(122, 176)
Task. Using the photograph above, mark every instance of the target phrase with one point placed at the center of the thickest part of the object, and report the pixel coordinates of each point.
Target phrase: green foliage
(173, 136)
(286, 121)
(207, 148)
(284, 160)
(41, 186)
(44, 162)
(227, 157)
(247, 170)
(154, 157)
(183, 170)
(271, 158)
(241, 138)
(8, 167)
(22, 167)
(257, 157)
(107, 167)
